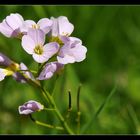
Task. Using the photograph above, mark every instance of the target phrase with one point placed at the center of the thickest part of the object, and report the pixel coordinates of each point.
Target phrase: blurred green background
(112, 37)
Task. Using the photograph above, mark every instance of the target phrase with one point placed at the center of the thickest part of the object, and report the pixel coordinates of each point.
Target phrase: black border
(70, 2)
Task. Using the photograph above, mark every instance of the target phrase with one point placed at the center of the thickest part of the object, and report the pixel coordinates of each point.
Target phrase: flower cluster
(48, 41)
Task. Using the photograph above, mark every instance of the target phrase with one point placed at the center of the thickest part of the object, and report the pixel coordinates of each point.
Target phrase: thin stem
(69, 107)
(29, 71)
(51, 101)
(49, 109)
(44, 124)
(78, 109)
(57, 76)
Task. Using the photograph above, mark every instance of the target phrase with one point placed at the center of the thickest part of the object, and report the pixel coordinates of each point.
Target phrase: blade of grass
(102, 106)
(133, 117)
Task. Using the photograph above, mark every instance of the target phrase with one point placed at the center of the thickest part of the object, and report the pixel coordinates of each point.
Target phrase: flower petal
(72, 51)
(29, 23)
(55, 28)
(65, 27)
(28, 44)
(5, 29)
(66, 59)
(27, 73)
(79, 53)
(2, 74)
(45, 24)
(4, 60)
(49, 70)
(50, 49)
(37, 35)
(30, 107)
(14, 20)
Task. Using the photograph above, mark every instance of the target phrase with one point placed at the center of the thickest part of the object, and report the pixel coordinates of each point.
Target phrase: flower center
(35, 26)
(38, 49)
(57, 39)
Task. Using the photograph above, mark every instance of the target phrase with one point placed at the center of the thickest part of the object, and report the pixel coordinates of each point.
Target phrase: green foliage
(112, 37)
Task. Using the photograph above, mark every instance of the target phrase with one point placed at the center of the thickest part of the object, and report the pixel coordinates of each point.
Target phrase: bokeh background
(112, 37)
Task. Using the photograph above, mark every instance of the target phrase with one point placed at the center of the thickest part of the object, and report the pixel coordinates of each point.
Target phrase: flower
(33, 43)
(24, 75)
(30, 107)
(61, 26)
(72, 51)
(12, 25)
(44, 24)
(49, 70)
(4, 60)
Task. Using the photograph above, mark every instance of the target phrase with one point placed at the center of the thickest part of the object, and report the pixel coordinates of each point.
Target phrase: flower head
(30, 107)
(44, 24)
(72, 51)
(49, 70)
(33, 43)
(12, 25)
(22, 78)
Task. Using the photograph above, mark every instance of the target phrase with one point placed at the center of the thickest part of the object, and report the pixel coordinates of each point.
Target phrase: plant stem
(46, 125)
(51, 101)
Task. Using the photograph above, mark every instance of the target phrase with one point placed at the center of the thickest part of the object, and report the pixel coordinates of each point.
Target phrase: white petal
(37, 35)
(28, 44)
(55, 28)
(29, 23)
(39, 58)
(45, 24)
(5, 29)
(79, 53)
(66, 59)
(14, 21)
(65, 27)
(50, 49)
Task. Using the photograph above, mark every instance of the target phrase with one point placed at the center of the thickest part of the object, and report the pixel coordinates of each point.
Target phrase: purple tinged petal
(45, 24)
(40, 58)
(27, 73)
(49, 70)
(66, 59)
(65, 27)
(55, 28)
(50, 49)
(30, 107)
(72, 51)
(11, 26)
(14, 21)
(19, 77)
(37, 35)
(5, 29)
(23, 78)
(61, 26)
(4, 60)
(29, 23)
(28, 44)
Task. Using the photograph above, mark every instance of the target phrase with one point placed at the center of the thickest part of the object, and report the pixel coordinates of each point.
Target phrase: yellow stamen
(35, 26)
(38, 49)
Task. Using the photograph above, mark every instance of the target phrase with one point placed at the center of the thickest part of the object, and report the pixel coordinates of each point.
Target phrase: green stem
(49, 109)
(45, 125)
(51, 100)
